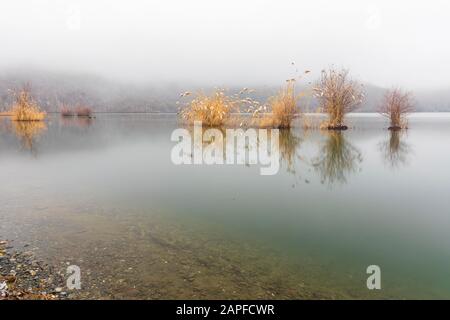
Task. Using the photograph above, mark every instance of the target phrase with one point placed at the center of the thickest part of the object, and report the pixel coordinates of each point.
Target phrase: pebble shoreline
(23, 277)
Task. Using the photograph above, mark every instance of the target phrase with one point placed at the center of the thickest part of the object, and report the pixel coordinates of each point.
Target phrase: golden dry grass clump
(337, 95)
(25, 108)
(212, 110)
(396, 106)
(284, 106)
(218, 109)
(282, 109)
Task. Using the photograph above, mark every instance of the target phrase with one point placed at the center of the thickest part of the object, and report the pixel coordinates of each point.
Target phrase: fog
(230, 42)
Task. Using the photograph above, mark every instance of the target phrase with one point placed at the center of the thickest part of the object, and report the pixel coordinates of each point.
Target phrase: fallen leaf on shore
(9, 279)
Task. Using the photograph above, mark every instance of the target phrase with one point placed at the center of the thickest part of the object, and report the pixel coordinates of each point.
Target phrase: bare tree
(396, 106)
(337, 95)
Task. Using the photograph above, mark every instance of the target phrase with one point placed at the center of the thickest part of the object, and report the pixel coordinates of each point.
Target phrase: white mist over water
(230, 42)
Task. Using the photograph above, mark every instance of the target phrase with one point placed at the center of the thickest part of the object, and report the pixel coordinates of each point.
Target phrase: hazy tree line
(52, 90)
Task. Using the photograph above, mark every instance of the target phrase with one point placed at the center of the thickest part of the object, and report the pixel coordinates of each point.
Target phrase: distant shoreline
(8, 114)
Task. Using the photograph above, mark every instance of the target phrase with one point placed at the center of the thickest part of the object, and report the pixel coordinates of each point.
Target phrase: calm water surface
(103, 194)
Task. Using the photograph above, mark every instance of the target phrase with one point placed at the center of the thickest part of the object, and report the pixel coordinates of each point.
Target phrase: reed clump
(25, 108)
(284, 106)
(66, 111)
(212, 110)
(396, 106)
(337, 95)
(80, 111)
(84, 112)
(281, 109)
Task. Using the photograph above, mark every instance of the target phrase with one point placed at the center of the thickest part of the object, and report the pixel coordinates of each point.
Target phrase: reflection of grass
(84, 122)
(337, 159)
(394, 150)
(203, 139)
(81, 122)
(28, 131)
(288, 146)
(25, 108)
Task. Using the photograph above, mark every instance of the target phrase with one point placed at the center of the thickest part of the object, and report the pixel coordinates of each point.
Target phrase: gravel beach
(24, 277)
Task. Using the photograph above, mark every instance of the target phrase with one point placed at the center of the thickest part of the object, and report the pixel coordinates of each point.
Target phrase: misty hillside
(102, 95)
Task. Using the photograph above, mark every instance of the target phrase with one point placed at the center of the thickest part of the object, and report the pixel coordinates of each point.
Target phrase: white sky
(384, 42)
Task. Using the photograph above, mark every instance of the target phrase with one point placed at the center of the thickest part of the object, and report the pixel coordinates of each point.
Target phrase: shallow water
(104, 194)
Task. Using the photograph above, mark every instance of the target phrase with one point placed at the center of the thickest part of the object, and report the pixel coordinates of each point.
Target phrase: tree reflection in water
(337, 159)
(395, 151)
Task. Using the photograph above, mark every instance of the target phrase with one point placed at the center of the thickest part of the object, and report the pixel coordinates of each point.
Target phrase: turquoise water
(104, 194)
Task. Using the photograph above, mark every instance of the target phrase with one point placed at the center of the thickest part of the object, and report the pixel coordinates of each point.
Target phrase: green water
(105, 195)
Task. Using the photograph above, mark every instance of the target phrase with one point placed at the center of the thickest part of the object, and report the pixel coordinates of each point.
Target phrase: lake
(104, 194)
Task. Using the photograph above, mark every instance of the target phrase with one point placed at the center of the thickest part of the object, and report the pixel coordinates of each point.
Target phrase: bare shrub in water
(337, 95)
(25, 108)
(66, 111)
(84, 111)
(396, 106)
